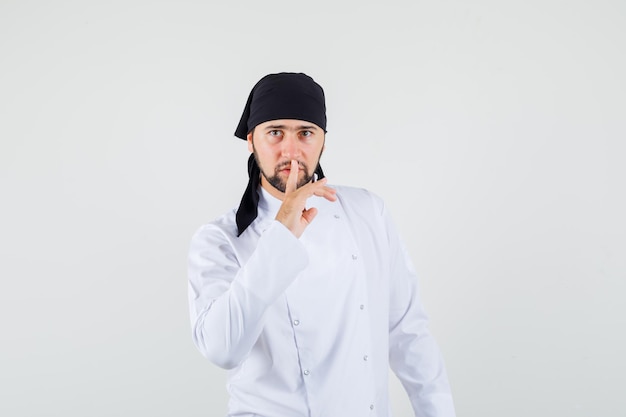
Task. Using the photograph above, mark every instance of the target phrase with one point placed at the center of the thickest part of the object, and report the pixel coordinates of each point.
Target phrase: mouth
(287, 169)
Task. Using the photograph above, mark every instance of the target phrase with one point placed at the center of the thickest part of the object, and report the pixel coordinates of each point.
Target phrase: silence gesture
(293, 212)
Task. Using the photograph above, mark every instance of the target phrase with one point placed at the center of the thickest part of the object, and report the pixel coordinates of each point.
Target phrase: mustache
(287, 164)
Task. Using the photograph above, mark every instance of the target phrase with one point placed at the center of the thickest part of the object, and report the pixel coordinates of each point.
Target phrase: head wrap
(276, 96)
(286, 95)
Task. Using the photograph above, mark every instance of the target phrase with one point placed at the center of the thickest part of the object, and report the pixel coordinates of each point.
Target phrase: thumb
(309, 214)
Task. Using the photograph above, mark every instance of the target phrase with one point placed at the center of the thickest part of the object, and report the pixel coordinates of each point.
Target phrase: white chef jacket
(310, 326)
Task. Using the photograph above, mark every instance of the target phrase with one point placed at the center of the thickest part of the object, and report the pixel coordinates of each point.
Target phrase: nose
(290, 146)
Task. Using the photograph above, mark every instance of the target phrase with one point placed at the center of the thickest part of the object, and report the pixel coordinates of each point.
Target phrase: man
(305, 292)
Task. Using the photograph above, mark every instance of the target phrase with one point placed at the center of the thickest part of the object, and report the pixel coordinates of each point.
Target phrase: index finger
(292, 180)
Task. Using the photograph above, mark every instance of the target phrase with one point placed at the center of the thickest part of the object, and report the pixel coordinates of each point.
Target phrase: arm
(227, 300)
(414, 355)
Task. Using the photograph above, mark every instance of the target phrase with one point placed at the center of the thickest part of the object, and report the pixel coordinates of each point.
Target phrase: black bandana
(286, 95)
(276, 96)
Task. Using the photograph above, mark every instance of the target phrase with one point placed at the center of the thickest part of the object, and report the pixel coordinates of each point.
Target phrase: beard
(277, 181)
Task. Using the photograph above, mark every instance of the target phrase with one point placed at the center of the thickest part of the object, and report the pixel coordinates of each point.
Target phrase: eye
(306, 133)
(274, 132)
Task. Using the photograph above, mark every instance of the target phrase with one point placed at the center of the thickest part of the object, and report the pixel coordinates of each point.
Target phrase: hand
(293, 212)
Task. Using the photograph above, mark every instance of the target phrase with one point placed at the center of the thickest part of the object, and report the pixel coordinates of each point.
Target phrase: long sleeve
(413, 352)
(231, 288)
(310, 326)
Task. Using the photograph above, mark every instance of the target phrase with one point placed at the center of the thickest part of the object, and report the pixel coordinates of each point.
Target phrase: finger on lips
(318, 188)
(292, 179)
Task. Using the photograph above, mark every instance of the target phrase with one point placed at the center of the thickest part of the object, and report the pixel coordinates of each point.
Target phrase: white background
(494, 130)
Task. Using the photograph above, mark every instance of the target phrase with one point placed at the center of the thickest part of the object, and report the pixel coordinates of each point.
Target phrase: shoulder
(359, 198)
(222, 228)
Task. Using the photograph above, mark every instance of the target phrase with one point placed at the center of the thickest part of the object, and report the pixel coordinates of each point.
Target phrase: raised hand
(293, 212)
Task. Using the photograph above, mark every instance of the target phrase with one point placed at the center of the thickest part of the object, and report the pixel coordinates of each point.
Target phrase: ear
(249, 139)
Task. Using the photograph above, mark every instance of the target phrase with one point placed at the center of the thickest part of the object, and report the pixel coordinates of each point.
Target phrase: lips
(285, 169)
(288, 167)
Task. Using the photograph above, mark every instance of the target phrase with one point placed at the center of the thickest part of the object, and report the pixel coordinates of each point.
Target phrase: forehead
(291, 124)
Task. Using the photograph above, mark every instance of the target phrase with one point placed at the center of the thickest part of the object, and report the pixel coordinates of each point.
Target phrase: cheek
(317, 153)
(267, 156)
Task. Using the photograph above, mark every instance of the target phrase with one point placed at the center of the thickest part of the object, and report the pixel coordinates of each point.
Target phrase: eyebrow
(301, 127)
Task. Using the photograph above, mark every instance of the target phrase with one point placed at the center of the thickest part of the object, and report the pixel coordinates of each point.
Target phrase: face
(277, 142)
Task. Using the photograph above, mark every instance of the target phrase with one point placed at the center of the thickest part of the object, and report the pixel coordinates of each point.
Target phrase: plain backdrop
(494, 130)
